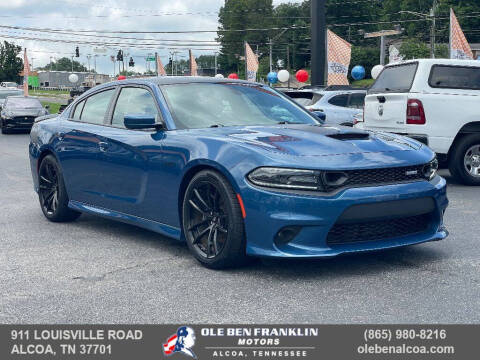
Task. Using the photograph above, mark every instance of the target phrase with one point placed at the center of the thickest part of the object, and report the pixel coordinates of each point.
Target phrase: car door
(129, 155)
(355, 105)
(81, 146)
(336, 109)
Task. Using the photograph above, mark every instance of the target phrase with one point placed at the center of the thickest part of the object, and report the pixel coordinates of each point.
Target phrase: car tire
(212, 221)
(52, 193)
(465, 158)
(4, 129)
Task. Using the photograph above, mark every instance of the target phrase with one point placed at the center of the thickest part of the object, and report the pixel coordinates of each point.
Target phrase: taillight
(415, 112)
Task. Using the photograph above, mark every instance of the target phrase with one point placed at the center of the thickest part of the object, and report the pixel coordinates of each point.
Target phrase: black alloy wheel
(52, 193)
(48, 188)
(213, 222)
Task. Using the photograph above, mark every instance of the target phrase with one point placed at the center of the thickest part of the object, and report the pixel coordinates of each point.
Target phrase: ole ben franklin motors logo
(181, 342)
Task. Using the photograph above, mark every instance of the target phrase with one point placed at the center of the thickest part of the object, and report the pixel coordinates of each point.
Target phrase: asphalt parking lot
(99, 271)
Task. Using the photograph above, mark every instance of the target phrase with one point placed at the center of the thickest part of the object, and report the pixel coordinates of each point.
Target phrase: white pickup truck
(435, 101)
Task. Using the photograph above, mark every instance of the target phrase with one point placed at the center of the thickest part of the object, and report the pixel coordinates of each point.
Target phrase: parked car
(235, 170)
(339, 106)
(435, 101)
(19, 112)
(9, 85)
(79, 90)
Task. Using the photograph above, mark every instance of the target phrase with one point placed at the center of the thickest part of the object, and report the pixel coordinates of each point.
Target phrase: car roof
(440, 62)
(168, 80)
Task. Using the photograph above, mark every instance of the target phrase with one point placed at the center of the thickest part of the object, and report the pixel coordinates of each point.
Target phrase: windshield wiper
(284, 122)
(217, 125)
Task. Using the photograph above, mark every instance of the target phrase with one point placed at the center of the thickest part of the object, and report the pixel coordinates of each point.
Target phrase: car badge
(380, 110)
(411, 172)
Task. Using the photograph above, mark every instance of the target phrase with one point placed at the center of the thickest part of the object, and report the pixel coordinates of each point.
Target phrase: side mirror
(47, 107)
(143, 121)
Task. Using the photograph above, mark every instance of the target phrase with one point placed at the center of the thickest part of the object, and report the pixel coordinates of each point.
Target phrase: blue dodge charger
(235, 169)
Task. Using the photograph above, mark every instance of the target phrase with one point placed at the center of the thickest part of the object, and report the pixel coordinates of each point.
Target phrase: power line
(150, 32)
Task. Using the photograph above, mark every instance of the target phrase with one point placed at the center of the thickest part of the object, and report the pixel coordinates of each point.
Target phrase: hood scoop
(350, 136)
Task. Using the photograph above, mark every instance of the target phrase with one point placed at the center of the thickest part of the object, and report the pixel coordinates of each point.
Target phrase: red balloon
(122, 77)
(302, 75)
(233, 76)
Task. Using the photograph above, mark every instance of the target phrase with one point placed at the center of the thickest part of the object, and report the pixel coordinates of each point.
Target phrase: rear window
(455, 77)
(397, 78)
(304, 98)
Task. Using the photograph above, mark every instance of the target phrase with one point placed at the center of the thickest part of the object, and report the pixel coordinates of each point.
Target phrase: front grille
(347, 233)
(24, 119)
(380, 176)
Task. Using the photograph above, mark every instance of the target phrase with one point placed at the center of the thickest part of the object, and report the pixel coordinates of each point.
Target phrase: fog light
(286, 234)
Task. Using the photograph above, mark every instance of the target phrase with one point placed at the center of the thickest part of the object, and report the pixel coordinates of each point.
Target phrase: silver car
(339, 106)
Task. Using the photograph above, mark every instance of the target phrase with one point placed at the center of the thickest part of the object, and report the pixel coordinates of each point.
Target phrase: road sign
(151, 58)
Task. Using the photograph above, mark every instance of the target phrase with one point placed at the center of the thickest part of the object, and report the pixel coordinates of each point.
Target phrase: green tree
(239, 15)
(414, 49)
(65, 64)
(10, 64)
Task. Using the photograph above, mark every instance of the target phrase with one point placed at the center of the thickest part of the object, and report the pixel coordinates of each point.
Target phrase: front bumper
(21, 122)
(268, 212)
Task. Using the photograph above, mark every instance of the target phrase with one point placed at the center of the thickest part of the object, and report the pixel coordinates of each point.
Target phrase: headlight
(286, 178)
(430, 169)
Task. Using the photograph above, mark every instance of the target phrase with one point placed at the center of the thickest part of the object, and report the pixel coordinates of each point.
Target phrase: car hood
(312, 140)
(25, 112)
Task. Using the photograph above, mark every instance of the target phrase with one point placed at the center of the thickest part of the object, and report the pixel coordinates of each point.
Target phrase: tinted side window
(96, 107)
(77, 112)
(134, 101)
(339, 100)
(356, 101)
(397, 78)
(455, 77)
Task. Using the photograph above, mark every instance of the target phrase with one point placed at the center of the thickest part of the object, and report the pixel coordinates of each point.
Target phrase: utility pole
(288, 63)
(88, 59)
(216, 62)
(72, 63)
(432, 29)
(270, 43)
(318, 42)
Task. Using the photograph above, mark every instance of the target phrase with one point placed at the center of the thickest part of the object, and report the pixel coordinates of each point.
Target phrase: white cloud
(112, 15)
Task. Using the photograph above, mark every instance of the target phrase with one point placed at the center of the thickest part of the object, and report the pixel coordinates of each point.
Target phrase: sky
(110, 15)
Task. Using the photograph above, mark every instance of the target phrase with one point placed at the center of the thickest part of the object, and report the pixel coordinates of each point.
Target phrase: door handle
(103, 146)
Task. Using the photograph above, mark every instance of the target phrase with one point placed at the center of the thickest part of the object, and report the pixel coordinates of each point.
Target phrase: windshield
(23, 103)
(397, 78)
(202, 105)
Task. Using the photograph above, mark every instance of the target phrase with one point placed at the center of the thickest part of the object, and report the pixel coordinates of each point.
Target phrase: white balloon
(376, 70)
(73, 78)
(219, 76)
(283, 75)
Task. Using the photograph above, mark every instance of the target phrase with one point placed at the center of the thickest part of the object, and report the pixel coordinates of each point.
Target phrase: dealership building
(59, 79)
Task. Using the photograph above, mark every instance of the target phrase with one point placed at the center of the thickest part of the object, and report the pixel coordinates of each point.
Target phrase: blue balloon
(272, 77)
(358, 72)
